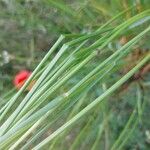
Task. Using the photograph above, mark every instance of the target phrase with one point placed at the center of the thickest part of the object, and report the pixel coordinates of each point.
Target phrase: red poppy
(20, 78)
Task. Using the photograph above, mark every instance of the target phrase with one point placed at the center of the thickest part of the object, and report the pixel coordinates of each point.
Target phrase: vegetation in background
(91, 89)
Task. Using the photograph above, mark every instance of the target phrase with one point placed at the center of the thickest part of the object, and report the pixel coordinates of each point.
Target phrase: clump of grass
(25, 122)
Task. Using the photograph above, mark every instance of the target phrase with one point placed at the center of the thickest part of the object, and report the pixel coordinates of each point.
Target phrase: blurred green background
(28, 28)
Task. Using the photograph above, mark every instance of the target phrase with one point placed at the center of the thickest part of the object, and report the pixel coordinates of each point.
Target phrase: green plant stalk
(39, 97)
(94, 103)
(27, 145)
(15, 137)
(63, 48)
(130, 125)
(132, 41)
(51, 78)
(86, 130)
(139, 104)
(99, 134)
(107, 41)
(11, 119)
(100, 30)
(31, 119)
(105, 115)
(44, 111)
(33, 139)
(15, 97)
(137, 120)
(123, 133)
(64, 79)
(71, 114)
(81, 134)
(116, 32)
(128, 135)
(17, 129)
(69, 57)
(4, 107)
(110, 59)
(27, 133)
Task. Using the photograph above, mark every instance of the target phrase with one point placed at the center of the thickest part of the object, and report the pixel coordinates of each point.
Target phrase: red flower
(20, 78)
